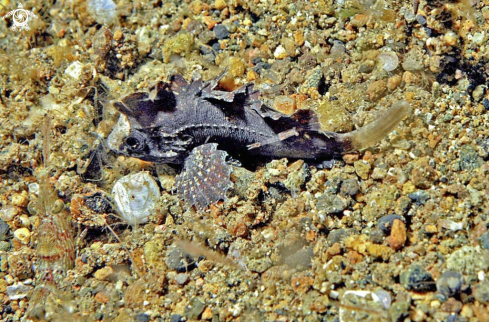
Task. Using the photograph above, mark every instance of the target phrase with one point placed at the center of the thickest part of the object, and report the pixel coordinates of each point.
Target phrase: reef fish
(165, 124)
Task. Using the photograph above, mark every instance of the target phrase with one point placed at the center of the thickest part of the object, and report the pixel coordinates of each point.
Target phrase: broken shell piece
(135, 196)
(360, 305)
(389, 60)
(205, 178)
(119, 133)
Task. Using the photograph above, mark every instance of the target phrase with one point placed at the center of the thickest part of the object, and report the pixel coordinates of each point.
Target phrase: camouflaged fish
(179, 123)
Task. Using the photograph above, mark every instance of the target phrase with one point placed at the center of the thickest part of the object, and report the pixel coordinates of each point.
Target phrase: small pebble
(386, 222)
(194, 308)
(331, 204)
(176, 318)
(141, 317)
(419, 197)
(481, 292)
(398, 234)
(449, 283)
(181, 278)
(177, 259)
(23, 235)
(220, 4)
(221, 32)
(377, 89)
(104, 273)
(417, 278)
(362, 169)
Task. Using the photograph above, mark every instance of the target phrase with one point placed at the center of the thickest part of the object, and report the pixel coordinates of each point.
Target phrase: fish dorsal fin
(178, 83)
(142, 107)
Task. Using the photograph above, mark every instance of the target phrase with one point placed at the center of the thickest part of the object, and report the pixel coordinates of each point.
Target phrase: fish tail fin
(375, 131)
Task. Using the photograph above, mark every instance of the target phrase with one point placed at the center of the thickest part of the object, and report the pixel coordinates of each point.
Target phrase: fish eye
(135, 143)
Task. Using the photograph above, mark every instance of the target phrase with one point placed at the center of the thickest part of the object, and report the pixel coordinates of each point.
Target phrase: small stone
(220, 4)
(377, 90)
(350, 158)
(449, 283)
(331, 204)
(280, 52)
(118, 35)
(102, 297)
(284, 104)
(452, 306)
(419, 197)
(469, 158)
(484, 240)
(481, 292)
(379, 251)
(195, 308)
(221, 32)
(362, 169)
(350, 187)
(4, 227)
(23, 235)
(376, 236)
(179, 260)
(209, 22)
(207, 314)
(417, 278)
(141, 317)
(104, 273)
(423, 175)
(398, 310)
(478, 92)
(205, 265)
(431, 229)
(181, 278)
(301, 283)
(176, 318)
(468, 260)
(398, 234)
(4, 246)
(386, 223)
(394, 82)
(259, 265)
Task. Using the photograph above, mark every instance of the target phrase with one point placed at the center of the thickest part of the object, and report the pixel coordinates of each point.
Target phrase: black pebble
(417, 278)
(221, 32)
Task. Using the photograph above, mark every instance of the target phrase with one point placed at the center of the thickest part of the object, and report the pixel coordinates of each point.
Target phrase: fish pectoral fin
(205, 178)
(280, 137)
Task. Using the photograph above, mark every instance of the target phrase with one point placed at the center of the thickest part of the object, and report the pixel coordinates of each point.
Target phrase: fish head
(149, 144)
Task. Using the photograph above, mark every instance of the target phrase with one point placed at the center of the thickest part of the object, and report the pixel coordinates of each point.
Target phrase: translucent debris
(205, 178)
(18, 291)
(389, 60)
(136, 196)
(357, 305)
(103, 11)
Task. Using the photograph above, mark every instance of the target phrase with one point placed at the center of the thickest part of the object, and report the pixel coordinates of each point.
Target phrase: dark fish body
(169, 122)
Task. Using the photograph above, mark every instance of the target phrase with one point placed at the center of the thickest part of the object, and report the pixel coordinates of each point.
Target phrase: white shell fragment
(389, 60)
(358, 305)
(119, 133)
(135, 196)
